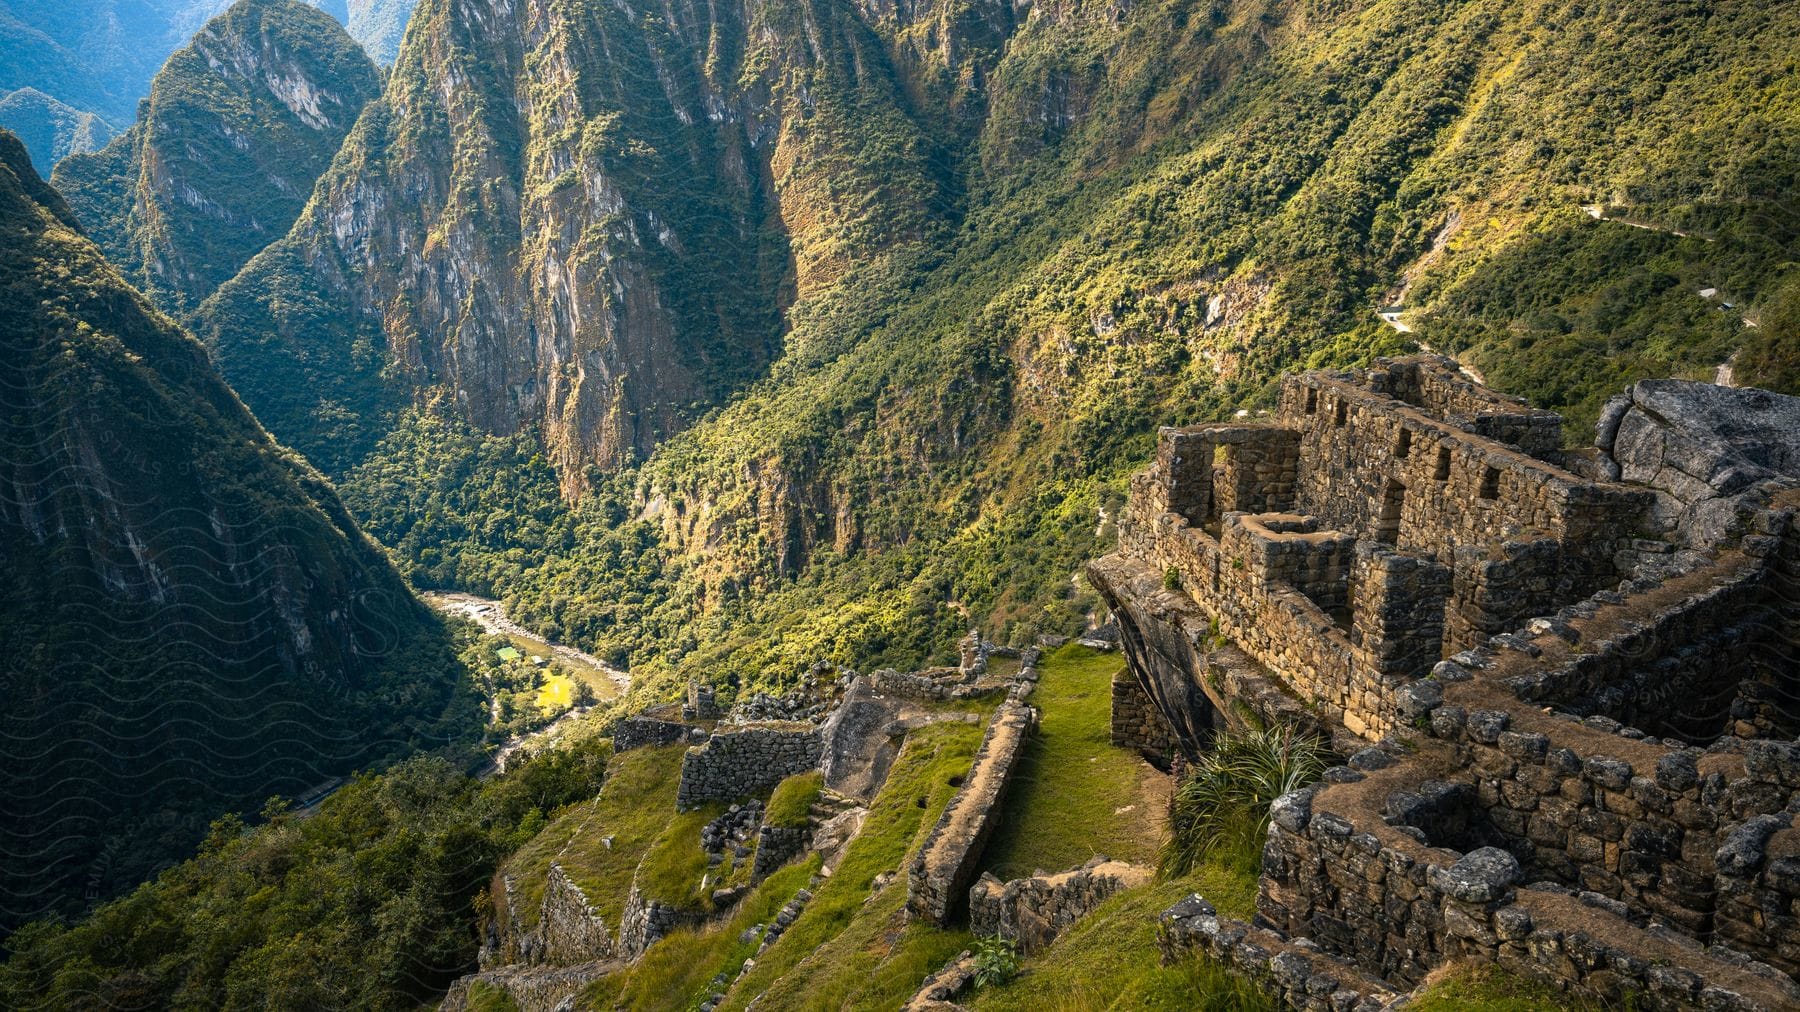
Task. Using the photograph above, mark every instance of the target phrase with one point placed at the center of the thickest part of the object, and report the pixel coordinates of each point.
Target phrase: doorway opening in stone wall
(1387, 525)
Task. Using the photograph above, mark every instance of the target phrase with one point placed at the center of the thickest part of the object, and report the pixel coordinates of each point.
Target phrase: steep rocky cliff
(189, 619)
(237, 128)
(583, 218)
(846, 323)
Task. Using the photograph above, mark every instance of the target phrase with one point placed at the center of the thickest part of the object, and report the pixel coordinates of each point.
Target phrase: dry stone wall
(735, 764)
(568, 929)
(639, 732)
(1136, 722)
(1593, 681)
(939, 876)
(647, 920)
(1362, 890)
(1032, 912)
(1295, 972)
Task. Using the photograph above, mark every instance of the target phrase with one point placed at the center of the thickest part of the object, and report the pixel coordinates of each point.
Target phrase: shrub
(1221, 809)
(996, 960)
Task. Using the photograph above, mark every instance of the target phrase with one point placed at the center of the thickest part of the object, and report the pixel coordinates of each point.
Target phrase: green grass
(1109, 960)
(678, 971)
(633, 809)
(1065, 802)
(853, 950)
(485, 997)
(791, 804)
(674, 865)
(1491, 989)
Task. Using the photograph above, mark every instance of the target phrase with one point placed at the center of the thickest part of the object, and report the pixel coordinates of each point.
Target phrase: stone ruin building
(1562, 681)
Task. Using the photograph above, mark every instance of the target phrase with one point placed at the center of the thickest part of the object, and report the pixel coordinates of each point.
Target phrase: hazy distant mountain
(50, 129)
(99, 56)
(236, 130)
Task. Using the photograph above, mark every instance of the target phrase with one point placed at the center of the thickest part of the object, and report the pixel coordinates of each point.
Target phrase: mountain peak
(238, 126)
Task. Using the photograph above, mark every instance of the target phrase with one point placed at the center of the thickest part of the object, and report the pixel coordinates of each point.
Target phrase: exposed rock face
(583, 220)
(164, 555)
(1701, 447)
(237, 128)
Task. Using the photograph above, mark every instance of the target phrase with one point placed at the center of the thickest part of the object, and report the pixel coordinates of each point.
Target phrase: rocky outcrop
(589, 223)
(1702, 448)
(238, 127)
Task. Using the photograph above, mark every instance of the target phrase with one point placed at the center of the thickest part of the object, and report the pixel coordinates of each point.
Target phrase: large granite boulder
(1705, 450)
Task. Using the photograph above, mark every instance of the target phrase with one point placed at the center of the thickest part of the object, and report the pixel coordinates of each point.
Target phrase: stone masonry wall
(568, 929)
(1397, 621)
(1296, 973)
(776, 846)
(646, 921)
(938, 878)
(1443, 392)
(1136, 722)
(638, 732)
(1034, 911)
(1365, 456)
(1397, 908)
(1280, 628)
(733, 764)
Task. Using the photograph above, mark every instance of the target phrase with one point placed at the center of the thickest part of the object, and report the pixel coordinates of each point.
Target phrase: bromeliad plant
(1220, 812)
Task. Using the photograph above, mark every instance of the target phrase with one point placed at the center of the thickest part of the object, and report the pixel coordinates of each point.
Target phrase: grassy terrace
(1109, 959)
(633, 810)
(851, 947)
(1074, 795)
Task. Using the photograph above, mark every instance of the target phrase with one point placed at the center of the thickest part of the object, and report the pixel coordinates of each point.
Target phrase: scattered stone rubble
(1579, 663)
(732, 831)
(838, 723)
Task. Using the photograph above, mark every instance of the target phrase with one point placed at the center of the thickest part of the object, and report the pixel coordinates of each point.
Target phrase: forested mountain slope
(49, 129)
(237, 129)
(716, 339)
(190, 621)
(97, 57)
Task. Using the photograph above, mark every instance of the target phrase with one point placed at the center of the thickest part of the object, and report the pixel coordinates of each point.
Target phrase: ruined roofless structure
(1564, 681)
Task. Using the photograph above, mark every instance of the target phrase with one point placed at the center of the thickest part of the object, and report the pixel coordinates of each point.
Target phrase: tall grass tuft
(1220, 812)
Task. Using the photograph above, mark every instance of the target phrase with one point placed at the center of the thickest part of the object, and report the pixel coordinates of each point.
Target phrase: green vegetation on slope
(1109, 959)
(599, 843)
(791, 803)
(1155, 216)
(854, 946)
(237, 128)
(50, 129)
(366, 903)
(189, 619)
